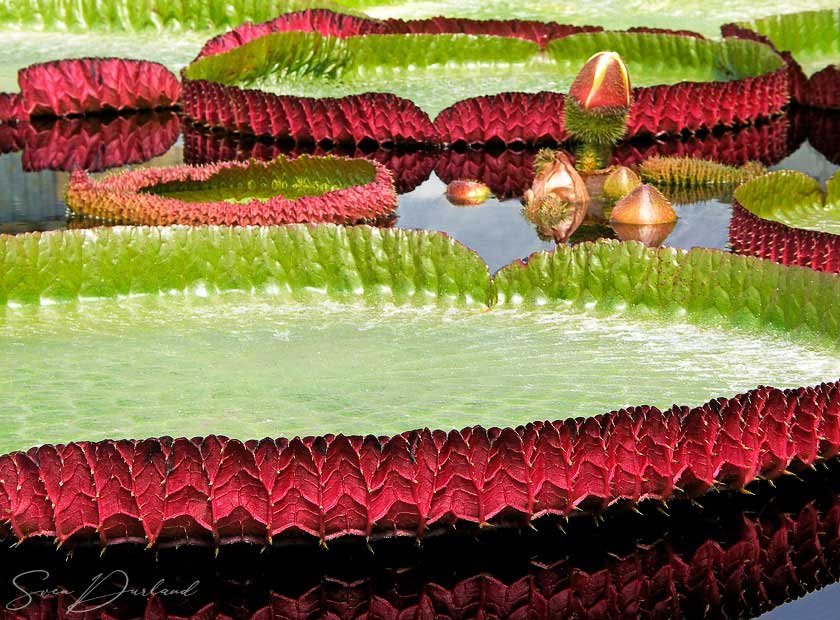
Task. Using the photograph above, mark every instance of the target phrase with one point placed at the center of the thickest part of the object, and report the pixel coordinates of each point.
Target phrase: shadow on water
(729, 556)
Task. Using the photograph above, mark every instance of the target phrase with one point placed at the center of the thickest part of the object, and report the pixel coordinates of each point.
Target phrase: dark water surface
(735, 557)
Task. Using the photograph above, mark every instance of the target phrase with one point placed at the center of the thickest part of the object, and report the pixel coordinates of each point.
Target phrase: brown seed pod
(557, 176)
(467, 193)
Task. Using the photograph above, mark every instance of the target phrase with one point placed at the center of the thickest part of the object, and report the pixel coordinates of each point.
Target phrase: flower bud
(602, 83)
(557, 176)
(644, 205)
(597, 108)
(620, 182)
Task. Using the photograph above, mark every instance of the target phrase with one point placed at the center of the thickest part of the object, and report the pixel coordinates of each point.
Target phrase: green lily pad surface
(247, 366)
(436, 71)
(145, 15)
(704, 16)
(794, 199)
(813, 37)
(135, 332)
(290, 179)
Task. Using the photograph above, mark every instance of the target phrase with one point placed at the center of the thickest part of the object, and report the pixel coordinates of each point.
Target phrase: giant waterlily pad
(701, 15)
(79, 86)
(812, 37)
(164, 31)
(794, 199)
(92, 143)
(786, 216)
(217, 296)
(276, 83)
(150, 15)
(811, 40)
(282, 191)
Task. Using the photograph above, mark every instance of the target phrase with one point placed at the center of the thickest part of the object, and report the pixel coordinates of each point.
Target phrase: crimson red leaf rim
(777, 551)
(80, 86)
(217, 491)
(751, 235)
(822, 88)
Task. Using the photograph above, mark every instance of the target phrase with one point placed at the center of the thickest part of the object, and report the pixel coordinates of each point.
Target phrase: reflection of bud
(644, 205)
(602, 83)
(598, 105)
(465, 193)
(652, 235)
(620, 182)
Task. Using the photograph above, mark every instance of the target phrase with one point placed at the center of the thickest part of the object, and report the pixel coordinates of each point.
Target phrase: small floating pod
(810, 43)
(214, 489)
(308, 87)
(283, 191)
(80, 86)
(620, 182)
(786, 217)
(467, 192)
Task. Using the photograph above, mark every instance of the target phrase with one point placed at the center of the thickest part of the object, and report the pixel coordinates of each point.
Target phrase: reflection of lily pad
(768, 557)
(507, 172)
(465, 81)
(306, 189)
(785, 216)
(94, 143)
(411, 482)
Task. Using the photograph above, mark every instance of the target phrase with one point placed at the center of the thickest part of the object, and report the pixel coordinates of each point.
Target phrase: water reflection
(34, 173)
(734, 556)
